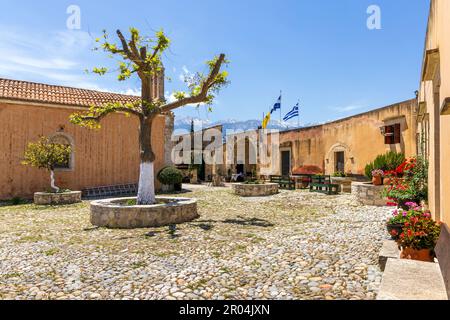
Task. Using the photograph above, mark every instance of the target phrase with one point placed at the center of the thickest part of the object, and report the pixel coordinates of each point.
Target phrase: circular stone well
(255, 190)
(369, 194)
(116, 214)
(46, 198)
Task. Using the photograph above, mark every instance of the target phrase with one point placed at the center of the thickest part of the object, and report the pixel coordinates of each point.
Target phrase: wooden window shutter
(397, 133)
(388, 132)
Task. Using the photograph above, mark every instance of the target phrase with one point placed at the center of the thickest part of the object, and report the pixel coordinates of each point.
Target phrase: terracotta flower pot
(420, 255)
(387, 181)
(377, 180)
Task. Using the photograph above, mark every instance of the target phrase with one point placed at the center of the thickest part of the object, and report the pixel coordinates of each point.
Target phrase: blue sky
(320, 52)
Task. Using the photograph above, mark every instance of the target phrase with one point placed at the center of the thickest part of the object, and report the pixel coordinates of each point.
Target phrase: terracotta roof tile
(44, 93)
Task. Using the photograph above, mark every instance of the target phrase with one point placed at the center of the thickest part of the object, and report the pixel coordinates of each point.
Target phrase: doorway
(285, 163)
(240, 169)
(339, 161)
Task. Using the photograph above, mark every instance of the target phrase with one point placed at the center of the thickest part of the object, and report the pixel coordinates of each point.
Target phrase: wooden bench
(416, 280)
(284, 182)
(330, 189)
(323, 184)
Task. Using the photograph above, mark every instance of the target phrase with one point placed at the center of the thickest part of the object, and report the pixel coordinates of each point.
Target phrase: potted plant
(171, 179)
(419, 237)
(386, 162)
(377, 177)
(45, 154)
(395, 224)
(409, 183)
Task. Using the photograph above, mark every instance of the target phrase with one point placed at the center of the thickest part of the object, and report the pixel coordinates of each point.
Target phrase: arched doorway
(339, 159)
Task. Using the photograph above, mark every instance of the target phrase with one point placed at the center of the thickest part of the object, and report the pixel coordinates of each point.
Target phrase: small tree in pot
(171, 178)
(45, 154)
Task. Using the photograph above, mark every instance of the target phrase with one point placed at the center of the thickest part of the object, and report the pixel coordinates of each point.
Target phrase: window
(63, 139)
(392, 134)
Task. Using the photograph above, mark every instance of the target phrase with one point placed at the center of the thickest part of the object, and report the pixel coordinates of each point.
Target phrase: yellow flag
(266, 121)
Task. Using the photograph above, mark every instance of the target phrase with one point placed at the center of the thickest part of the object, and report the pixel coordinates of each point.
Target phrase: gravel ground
(295, 245)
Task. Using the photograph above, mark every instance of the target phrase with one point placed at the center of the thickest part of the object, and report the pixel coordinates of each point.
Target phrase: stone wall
(369, 194)
(113, 213)
(43, 198)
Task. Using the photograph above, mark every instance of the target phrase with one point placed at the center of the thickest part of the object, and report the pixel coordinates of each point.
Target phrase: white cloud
(132, 92)
(186, 74)
(55, 57)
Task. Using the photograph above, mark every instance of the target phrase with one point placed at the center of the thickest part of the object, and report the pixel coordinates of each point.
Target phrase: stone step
(412, 280)
(391, 250)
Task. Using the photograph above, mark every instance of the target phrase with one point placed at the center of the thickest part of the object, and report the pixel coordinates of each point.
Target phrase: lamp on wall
(383, 130)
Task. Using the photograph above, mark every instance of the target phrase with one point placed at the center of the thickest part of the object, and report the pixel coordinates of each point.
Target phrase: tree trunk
(146, 190)
(52, 181)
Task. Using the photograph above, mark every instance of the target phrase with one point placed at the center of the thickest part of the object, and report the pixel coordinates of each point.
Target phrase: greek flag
(292, 114)
(277, 105)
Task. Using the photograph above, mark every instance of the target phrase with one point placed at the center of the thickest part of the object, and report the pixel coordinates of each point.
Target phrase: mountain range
(184, 123)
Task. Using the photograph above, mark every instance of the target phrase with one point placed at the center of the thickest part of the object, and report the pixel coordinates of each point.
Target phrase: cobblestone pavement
(294, 245)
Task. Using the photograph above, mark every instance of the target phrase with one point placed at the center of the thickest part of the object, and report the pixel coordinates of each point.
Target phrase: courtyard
(293, 245)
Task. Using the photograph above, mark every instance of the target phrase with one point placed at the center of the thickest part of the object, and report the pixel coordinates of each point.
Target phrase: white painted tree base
(52, 181)
(146, 191)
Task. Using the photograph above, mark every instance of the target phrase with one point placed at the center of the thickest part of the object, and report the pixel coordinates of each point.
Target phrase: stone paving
(294, 245)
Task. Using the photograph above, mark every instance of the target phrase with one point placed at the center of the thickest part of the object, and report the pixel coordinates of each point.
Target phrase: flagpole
(298, 117)
(281, 93)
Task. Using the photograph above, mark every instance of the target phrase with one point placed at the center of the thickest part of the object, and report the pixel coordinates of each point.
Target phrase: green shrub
(386, 162)
(170, 175)
(339, 174)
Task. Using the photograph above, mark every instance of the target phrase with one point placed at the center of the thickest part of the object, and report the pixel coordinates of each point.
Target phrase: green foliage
(339, 174)
(400, 216)
(45, 154)
(420, 233)
(413, 186)
(386, 162)
(142, 56)
(150, 64)
(170, 175)
(417, 180)
(91, 118)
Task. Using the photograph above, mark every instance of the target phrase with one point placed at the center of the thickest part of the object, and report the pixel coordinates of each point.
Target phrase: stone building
(345, 145)
(433, 116)
(194, 152)
(348, 145)
(105, 157)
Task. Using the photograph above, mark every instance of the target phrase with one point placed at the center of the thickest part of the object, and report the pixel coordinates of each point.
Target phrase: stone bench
(415, 280)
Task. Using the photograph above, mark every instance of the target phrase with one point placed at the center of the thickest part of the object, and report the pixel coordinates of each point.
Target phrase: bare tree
(142, 56)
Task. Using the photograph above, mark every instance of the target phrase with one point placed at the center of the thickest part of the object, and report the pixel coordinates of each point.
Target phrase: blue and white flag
(277, 105)
(292, 114)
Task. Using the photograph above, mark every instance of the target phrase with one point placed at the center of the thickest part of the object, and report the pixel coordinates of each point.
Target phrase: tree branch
(203, 95)
(96, 115)
(131, 52)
